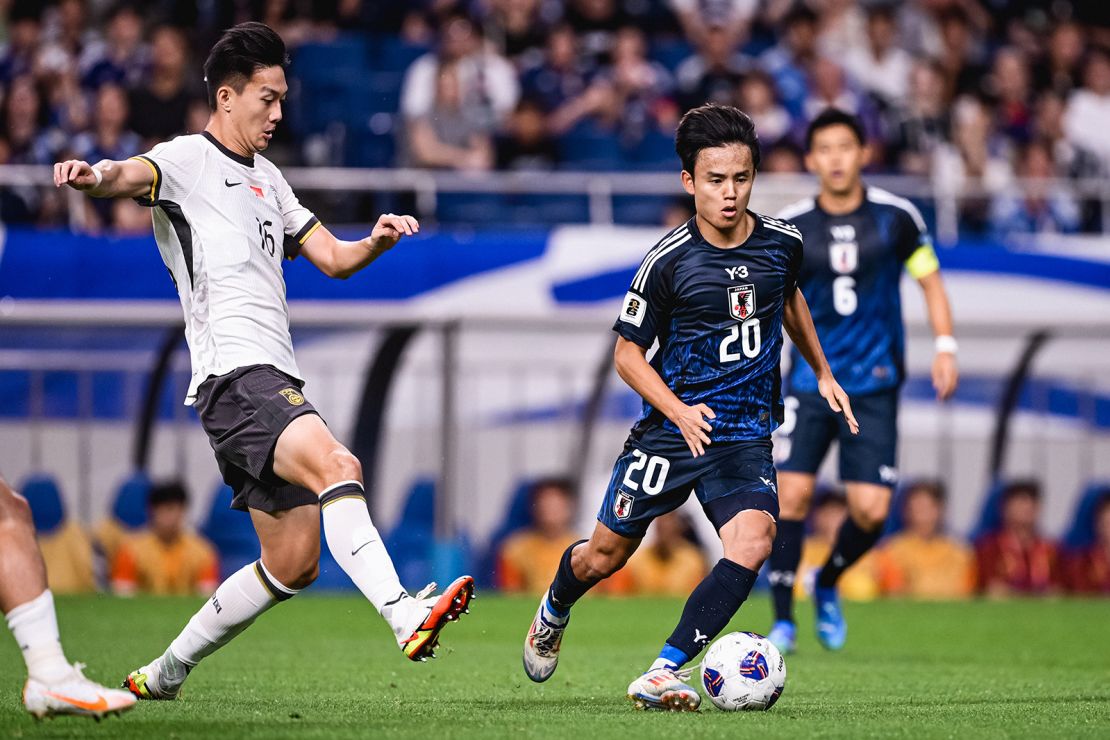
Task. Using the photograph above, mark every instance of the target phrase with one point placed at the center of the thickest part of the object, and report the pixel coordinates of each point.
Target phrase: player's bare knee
(342, 465)
(871, 517)
(309, 572)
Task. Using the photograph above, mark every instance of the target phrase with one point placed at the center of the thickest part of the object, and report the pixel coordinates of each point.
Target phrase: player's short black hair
(170, 492)
(835, 117)
(241, 51)
(713, 125)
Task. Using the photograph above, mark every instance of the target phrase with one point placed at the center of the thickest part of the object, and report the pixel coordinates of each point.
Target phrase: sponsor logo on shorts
(292, 396)
(887, 474)
(622, 509)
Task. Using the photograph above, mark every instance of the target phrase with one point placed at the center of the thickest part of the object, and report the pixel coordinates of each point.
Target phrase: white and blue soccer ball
(743, 671)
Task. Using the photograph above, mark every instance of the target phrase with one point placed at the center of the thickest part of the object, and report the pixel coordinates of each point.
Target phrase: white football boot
(76, 695)
(665, 689)
(541, 645)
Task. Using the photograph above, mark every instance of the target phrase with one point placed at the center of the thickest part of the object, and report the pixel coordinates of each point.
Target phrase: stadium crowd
(974, 94)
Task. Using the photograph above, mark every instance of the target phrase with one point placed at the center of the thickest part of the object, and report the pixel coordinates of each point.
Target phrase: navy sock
(566, 588)
(851, 544)
(710, 607)
(785, 556)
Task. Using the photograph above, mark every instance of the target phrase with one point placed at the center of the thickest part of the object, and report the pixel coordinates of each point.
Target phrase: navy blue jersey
(717, 314)
(850, 277)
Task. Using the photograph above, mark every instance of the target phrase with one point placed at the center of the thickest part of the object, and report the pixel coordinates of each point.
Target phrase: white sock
(237, 602)
(35, 627)
(357, 546)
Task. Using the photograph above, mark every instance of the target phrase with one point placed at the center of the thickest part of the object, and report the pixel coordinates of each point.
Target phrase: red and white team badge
(622, 509)
(741, 301)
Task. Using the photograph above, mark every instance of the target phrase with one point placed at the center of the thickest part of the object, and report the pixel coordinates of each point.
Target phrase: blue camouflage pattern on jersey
(717, 314)
(850, 277)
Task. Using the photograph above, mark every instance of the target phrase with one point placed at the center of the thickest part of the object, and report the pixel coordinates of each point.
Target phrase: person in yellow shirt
(860, 581)
(166, 558)
(528, 557)
(673, 564)
(922, 562)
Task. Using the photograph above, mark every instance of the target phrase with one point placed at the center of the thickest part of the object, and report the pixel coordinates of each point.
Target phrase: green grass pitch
(324, 667)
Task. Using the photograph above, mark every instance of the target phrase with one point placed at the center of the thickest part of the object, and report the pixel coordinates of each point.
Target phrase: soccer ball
(743, 671)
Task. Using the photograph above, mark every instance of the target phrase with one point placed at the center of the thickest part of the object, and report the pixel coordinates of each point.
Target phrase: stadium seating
(47, 509)
(1080, 533)
(518, 515)
(231, 532)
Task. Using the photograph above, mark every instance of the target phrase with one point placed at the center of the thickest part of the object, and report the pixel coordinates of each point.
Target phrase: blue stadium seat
(590, 147)
(547, 210)
(411, 541)
(990, 516)
(344, 58)
(518, 516)
(129, 507)
(1081, 532)
(47, 508)
(654, 153)
(486, 209)
(391, 53)
(639, 209)
(670, 52)
(231, 532)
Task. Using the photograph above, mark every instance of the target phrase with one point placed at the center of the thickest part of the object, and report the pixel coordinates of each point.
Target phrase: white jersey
(223, 223)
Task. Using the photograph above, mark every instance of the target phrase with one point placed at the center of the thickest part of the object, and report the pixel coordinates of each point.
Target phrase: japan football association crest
(741, 301)
(622, 509)
(844, 257)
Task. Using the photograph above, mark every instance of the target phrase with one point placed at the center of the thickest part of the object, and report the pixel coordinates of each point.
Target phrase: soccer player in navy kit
(858, 241)
(716, 293)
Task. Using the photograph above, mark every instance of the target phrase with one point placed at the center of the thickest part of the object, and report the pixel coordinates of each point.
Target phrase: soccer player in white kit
(224, 219)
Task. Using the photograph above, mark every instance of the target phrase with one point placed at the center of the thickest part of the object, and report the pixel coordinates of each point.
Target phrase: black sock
(851, 544)
(566, 588)
(710, 607)
(785, 556)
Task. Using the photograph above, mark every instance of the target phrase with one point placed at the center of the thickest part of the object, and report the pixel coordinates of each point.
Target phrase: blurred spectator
(517, 28)
(1060, 70)
(678, 211)
(670, 563)
(830, 89)
(166, 558)
(757, 98)
(126, 56)
(712, 73)
(637, 90)
(1087, 118)
(529, 557)
(731, 18)
(24, 37)
(66, 549)
(976, 162)
(962, 54)
(921, 562)
(451, 135)
(487, 83)
(923, 124)
(596, 22)
(879, 65)
(784, 159)
(859, 582)
(109, 139)
(1016, 559)
(158, 108)
(1088, 571)
(788, 62)
(30, 139)
(525, 144)
(561, 83)
(71, 45)
(1009, 87)
(1071, 159)
(1041, 205)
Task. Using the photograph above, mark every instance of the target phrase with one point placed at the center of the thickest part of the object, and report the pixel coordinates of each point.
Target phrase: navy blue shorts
(869, 457)
(651, 481)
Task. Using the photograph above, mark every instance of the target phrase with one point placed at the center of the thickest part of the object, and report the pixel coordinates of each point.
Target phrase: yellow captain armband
(923, 262)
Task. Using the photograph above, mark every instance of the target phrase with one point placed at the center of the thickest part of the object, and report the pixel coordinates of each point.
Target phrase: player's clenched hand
(75, 173)
(691, 421)
(390, 228)
(831, 391)
(945, 375)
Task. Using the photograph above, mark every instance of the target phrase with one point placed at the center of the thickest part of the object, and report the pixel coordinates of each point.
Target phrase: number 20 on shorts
(654, 475)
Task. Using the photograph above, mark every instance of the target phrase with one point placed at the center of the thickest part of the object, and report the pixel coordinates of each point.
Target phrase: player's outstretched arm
(946, 374)
(799, 325)
(107, 178)
(632, 365)
(340, 259)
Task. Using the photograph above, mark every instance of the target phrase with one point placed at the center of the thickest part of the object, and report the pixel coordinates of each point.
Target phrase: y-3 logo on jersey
(735, 273)
(843, 249)
(741, 301)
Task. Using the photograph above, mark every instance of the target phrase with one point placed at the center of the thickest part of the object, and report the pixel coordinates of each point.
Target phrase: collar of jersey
(692, 224)
(245, 161)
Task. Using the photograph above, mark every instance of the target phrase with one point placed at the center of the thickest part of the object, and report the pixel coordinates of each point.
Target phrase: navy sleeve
(912, 232)
(647, 304)
(793, 270)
